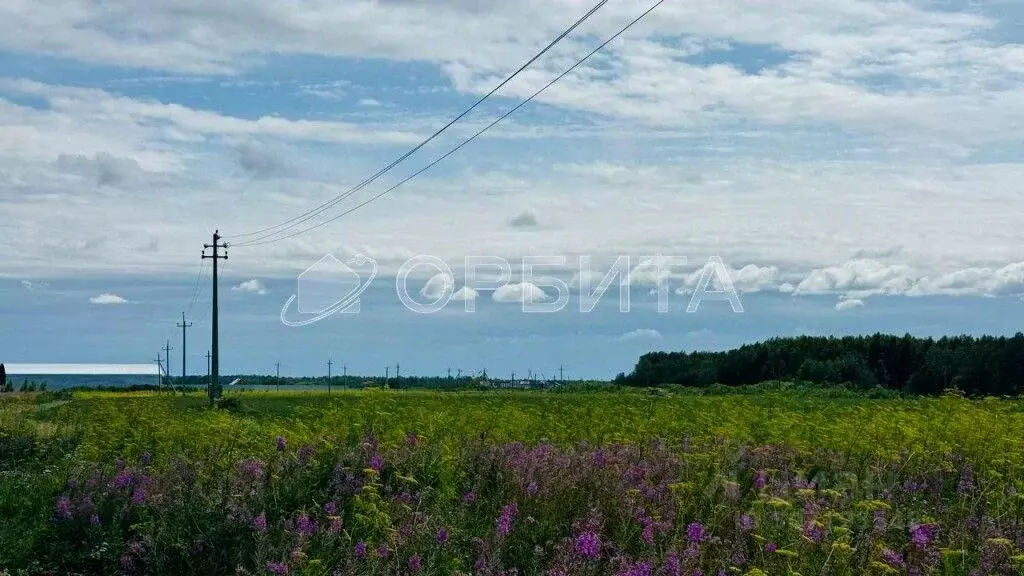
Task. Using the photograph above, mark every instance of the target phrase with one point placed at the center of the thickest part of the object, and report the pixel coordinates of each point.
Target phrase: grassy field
(778, 481)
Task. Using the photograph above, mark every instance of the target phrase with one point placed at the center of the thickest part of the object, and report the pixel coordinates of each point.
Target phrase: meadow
(773, 480)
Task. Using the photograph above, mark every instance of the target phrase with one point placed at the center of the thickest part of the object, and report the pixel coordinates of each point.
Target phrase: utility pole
(277, 366)
(561, 374)
(184, 325)
(214, 389)
(449, 373)
(207, 365)
(387, 375)
(329, 364)
(159, 371)
(167, 358)
(398, 370)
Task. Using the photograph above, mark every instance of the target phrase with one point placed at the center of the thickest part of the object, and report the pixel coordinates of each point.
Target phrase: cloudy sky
(856, 165)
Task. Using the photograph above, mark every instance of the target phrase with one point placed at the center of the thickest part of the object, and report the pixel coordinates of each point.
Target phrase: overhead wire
(313, 212)
(580, 62)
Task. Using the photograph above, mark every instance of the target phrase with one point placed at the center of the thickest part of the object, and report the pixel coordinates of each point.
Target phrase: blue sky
(855, 164)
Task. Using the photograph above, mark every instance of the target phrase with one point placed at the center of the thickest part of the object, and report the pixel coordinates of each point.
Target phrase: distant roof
(101, 369)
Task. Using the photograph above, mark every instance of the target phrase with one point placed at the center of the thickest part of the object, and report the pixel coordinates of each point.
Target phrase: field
(775, 481)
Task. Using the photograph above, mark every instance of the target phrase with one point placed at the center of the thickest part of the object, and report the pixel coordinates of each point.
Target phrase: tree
(3, 378)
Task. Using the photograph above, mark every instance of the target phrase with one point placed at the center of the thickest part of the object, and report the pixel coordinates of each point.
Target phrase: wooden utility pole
(277, 366)
(329, 364)
(184, 326)
(207, 365)
(167, 358)
(215, 255)
(159, 371)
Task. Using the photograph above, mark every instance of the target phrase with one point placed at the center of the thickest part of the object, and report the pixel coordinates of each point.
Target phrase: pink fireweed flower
(588, 545)
(305, 526)
(508, 515)
(696, 532)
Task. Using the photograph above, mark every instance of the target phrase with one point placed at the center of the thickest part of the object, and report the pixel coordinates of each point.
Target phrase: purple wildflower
(746, 523)
(330, 508)
(508, 515)
(770, 547)
(673, 566)
(922, 535)
(696, 532)
(64, 507)
(878, 526)
(251, 470)
(442, 536)
(281, 443)
(123, 479)
(335, 526)
(139, 496)
(382, 551)
(415, 563)
(306, 526)
(893, 558)
(305, 454)
(531, 489)
(259, 523)
(588, 545)
(637, 569)
(360, 549)
(760, 480)
(469, 497)
(377, 462)
(411, 440)
(279, 568)
(94, 520)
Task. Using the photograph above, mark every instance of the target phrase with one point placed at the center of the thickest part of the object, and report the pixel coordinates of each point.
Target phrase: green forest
(984, 365)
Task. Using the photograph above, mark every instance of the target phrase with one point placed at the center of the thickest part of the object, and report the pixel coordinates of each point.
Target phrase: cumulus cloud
(102, 168)
(641, 334)
(260, 162)
(849, 304)
(464, 294)
(438, 286)
(748, 279)
(253, 286)
(108, 299)
(520, 292)
(369, 102)
(524, 220)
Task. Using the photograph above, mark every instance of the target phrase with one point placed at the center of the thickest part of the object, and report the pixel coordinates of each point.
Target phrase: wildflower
(878, 526)
(64, 507)
(442, 536)
(469, 497)
(966, 484)
(893, 558)
(305, 454)
(746, 523)
(123, 479)
(279, 568)
(508, 515)
(139, 496)
(259, 523)
(251, 470)
(760, 480)
(673, 566)
(637, 569)
(770, 547)
(588, 545)
(282, 444)
(377, 462)
(411, 440)
(360, 549)
(531, 489)
(335, 526)
(382, 551)
(330, 508)
(415, 563)
(921, 535)
(599, 459)
(696, 532)
(94, 520)
(306, 526)
(813, 531)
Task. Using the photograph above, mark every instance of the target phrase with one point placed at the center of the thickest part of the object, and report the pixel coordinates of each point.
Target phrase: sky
(855, 166)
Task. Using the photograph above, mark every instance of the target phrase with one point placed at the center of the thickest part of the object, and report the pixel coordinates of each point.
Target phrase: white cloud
(641, 334)
(437, 286)
(107, 298)
(253, 286)
(369, 102)
(464, 294)
(520, 292)
(849, 304)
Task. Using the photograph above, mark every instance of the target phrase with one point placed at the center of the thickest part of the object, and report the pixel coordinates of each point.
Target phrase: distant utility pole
(207, 364)
(215, 255)
(277, 366)
(449, 373)
(387, 375)
(167, 357)
(398, 370)
(561, 374)
(329, 364)
(184, 326)
(159, 371)
(344, 370)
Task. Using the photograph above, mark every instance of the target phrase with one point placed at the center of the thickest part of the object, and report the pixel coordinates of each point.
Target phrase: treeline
(977, 366)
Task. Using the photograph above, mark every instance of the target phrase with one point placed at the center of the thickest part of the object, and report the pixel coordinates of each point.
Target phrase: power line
(464, 142)
(270, 231)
